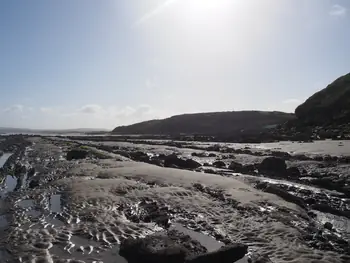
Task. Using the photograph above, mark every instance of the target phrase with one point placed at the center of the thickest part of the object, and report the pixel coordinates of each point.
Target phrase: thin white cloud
(91, 109)
(153, 12)
(338, 11)
(15, 108)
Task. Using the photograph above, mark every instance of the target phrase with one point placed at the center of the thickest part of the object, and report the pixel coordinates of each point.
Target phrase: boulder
(273, 165)
(235, 166)
(293, 172)
(174, 161)
(139, 156)
(219, 164)
(34, 183)
(310, 201)
(174, 247)
(20, 169)
(272, 189)
(328, 226)
(155, 249)
(31, 172)
(226, 254)
(328, 209)
(76, 154)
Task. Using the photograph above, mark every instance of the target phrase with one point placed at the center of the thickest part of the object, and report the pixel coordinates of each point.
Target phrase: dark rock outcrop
(273, 165)
(76, 154)
(293, 172)
(272, 189)
(236, 167)
(174, 161)
(173, 247)
(328, 226)
(328, 209)
(219, 164)
(227, 254)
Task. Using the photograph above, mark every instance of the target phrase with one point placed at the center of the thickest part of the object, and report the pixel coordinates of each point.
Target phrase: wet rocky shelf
(83, 199)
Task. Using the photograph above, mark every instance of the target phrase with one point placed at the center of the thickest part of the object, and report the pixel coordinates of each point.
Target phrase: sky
(101, 64)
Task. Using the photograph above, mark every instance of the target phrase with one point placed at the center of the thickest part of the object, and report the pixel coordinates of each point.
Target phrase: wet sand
(82, 209)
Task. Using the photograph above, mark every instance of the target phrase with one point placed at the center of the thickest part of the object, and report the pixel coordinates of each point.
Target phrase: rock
(31, 172)
(248, 169)
(139, 156)
(156, 162)
(212, 155)
(236, 167)
(147, 211)
(76, 154)
(244, 169)
(34, 183)
(209, 171)
(19, 169)
(259, 259)
(219, 164)
(200, 154)
(155, 250)
(301, 157)
(280, 154)
(214, 148)
(230, 156)
(310, 201)
(226, 254)
(328, 226)
(273, 166)
(311, 214)
(172, 160)
(293, 172)
(328, 209)
(318, 158)
(272, 189)
(261, 185)
(160, 248)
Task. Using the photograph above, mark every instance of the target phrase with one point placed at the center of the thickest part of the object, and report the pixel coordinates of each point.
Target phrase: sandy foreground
(80, 211)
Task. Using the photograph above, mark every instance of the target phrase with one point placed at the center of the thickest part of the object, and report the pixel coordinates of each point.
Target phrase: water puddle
(3, 221)
(55, 203)
(208, 242)
(8, 185)
(4, 158)
(27, 203)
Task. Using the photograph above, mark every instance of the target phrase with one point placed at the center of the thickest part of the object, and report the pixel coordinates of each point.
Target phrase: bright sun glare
(202, 10)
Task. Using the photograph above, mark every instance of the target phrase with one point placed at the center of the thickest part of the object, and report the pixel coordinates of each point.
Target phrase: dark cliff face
(329, 106)
(213, 123)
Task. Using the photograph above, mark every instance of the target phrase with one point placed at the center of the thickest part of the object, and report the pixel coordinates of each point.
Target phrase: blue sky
(87, 63)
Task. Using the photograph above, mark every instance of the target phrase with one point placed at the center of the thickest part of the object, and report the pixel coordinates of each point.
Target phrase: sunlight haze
(100, 64)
